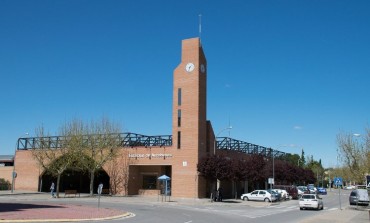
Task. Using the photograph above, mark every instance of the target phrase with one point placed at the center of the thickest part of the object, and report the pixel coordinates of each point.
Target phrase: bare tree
(118, 170)
(101, 146)
(125, 168)
(84, 146)
(51, 160)
(115, 179)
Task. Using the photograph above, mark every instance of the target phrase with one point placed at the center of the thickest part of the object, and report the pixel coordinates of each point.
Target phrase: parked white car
(258, 195)
(310, 201)
(350, 187)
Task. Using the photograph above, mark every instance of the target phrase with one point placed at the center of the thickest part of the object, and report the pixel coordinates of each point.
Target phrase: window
(179, 96)
(149, 182)
(178, 139)
(179, 118)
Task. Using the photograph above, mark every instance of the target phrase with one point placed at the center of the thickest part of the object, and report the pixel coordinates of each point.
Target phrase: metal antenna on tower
(200, 26)
(229, 126)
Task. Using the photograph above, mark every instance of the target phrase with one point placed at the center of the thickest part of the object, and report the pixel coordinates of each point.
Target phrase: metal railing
(123, 139)
(227, 143)
(138, 140)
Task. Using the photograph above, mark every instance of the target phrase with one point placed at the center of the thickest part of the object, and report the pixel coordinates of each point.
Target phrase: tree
(354, 152)
(215, 167)
(100, 143)
(51, 160)
(86, 147)
(118, 170)
(302, 159)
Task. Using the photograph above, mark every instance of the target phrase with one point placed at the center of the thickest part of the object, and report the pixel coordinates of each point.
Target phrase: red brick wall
(27, 171)
(185, 180)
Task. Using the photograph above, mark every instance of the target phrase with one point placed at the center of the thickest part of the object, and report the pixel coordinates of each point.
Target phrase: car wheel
(267, 200)
(300, 208)
(322, 207)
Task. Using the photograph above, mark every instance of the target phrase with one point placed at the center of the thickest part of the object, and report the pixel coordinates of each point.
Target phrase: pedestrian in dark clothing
(219, 197)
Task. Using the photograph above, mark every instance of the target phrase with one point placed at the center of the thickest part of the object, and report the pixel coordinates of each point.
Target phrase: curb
(126, 215)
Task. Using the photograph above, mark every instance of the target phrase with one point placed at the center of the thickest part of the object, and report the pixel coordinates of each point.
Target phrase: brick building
(146, 158)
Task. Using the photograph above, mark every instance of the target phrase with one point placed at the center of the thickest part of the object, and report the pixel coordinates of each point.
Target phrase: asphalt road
(200, 210)
(245, 211)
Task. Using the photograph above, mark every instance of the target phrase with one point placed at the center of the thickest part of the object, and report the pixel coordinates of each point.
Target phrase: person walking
(52, 187)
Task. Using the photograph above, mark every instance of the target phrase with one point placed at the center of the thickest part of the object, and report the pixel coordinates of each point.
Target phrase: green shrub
(4, 184)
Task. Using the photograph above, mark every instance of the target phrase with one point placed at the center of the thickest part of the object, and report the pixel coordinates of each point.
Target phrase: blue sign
(338, 181)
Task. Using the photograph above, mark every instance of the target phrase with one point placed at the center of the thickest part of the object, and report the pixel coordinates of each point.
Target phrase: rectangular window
(149, 182)
(178, 139)
(178, 117)
(179, 96)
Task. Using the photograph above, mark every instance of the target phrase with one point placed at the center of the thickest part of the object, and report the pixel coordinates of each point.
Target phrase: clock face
(189, 67)
(202, 68)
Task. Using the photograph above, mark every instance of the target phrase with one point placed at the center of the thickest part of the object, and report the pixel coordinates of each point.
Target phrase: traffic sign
(271, 181)
(338, 181)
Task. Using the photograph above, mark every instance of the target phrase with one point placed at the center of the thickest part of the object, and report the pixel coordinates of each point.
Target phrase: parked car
(292, 190)
(321, 190)
(349, 187)
(311, 201)
(284, 193)
(259, 195)
(302, 190)
(359, 197)
(312, 188)
(277, 194)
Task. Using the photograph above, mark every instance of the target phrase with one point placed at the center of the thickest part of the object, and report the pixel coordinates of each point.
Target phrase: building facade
(143, 159)
(192, 138)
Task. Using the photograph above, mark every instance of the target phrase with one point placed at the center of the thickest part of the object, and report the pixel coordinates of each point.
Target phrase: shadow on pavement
(7, 207)
(230, 201)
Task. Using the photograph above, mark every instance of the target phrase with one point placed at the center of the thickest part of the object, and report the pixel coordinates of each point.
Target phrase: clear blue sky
(281, 72)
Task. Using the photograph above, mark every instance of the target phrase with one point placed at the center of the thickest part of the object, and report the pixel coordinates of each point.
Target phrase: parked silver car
(359, 197)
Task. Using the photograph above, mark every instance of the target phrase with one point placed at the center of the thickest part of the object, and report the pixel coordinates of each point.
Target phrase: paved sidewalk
(40, 207)
(340, 216)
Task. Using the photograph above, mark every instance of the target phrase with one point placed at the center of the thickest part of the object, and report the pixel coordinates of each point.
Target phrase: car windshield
(308, 196)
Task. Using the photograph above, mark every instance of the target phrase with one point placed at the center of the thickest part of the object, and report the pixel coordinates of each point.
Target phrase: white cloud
(297, 127)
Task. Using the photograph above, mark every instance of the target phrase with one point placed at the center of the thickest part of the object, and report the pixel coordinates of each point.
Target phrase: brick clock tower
(189, 122)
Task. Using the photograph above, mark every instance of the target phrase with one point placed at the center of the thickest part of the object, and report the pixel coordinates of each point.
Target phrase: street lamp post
(273, 168)
(214, 150)
(273, 161)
